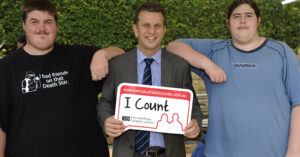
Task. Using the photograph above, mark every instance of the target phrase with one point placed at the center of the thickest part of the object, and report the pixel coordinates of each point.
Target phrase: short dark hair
(151, 7)
(237, 3)
(41, 5)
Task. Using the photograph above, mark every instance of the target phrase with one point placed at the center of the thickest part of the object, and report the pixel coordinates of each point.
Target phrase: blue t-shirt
(249, 114)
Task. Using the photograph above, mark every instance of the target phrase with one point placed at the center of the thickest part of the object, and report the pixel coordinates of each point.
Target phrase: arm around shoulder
(99, 63)
(111, 52)
(186, 52)
(198, 60)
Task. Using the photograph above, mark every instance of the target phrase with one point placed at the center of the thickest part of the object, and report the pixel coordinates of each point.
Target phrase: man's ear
(23, 24)
(258, 21)
(227, 23)
(135, 30)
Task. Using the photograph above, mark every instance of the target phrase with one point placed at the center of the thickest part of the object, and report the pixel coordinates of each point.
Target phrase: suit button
(131, 146)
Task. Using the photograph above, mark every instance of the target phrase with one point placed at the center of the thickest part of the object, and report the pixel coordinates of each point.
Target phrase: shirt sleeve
(203, 46)
(4, 97)
(84, 56)
(292, 79)
(85, 52)
(89, 52)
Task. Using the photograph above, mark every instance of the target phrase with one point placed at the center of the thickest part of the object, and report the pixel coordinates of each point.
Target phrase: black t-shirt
(48, 104)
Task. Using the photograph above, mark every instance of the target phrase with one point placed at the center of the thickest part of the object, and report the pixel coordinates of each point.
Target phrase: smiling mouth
(150, 38)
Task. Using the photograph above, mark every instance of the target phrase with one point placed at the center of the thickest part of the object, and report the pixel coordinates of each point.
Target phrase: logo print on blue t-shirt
(245, 65)
(31, 82)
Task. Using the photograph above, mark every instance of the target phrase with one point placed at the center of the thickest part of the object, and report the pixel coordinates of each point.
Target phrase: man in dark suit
(166, 70)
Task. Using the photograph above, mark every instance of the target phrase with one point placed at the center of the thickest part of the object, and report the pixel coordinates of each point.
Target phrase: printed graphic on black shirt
(32, 83)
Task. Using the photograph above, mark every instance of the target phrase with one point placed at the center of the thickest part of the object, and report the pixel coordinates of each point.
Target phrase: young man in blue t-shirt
(256, 112)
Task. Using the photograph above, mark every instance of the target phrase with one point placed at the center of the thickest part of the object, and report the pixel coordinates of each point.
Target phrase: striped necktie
(142, 138)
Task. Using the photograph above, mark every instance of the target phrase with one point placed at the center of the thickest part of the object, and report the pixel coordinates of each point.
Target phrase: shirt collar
(141, 56)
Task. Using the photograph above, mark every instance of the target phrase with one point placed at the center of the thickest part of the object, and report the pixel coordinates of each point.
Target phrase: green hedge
(109, 22)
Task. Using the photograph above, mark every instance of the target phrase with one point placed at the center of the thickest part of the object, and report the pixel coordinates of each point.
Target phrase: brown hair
(237, 3)
(151, 7)
(41, 5)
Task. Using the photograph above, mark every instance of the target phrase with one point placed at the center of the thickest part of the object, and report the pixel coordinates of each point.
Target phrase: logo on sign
(125, 118)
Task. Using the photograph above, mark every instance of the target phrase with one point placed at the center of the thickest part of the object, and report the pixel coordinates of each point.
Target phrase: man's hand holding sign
(152, 108)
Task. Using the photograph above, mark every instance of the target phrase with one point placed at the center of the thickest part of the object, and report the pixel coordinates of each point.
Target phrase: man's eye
(157, 26)
(146, 26)
(236, 16)
(248, 16)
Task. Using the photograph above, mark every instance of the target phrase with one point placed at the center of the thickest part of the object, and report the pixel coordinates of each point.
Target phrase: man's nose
(242, 19)
(152, 30)
(41, 27)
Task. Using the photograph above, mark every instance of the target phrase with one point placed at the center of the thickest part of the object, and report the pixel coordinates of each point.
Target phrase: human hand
(215, 73)
(113, 127)
(192, 130)
(99, 66)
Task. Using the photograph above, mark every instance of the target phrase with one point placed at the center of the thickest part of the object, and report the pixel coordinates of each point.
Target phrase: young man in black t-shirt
(47, 96)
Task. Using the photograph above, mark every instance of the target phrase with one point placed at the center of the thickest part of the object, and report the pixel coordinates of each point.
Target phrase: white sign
(153, 108)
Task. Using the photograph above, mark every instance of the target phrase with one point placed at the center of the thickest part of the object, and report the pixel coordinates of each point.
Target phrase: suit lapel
(132, 67)
(166, 69)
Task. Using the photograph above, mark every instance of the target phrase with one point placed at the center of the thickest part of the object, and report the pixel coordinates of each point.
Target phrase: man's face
(40, 29)
(243, 23)
(150, 31)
